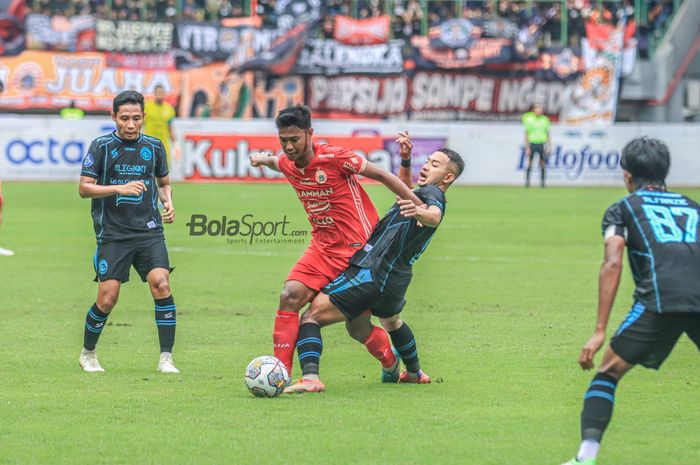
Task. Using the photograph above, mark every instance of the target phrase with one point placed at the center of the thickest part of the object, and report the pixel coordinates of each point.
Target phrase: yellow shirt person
(536, 125)
(158, 120)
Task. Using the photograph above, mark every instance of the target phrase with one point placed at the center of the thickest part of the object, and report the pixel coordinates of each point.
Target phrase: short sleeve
(171, 114)
(432, 195)
(92, 162)
(161, 162)
(613, 222)
(347, 161)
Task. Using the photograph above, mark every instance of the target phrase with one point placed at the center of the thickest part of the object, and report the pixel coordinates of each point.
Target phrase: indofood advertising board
(48, 148)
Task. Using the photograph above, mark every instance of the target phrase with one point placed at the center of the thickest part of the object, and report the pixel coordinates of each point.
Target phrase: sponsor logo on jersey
(327, 155)
(146, 153)
(350, 167)
(115, 153)
(316, 206)
(130, 149)
(323, 221)
(89, 161)
(321, 176)
(322, 193)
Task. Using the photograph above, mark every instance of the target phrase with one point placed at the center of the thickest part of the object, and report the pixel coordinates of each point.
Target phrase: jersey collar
(124, 141)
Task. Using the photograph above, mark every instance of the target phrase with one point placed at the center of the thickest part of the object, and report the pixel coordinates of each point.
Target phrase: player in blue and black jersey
(660, 230)
(377, 280)
(125, 173)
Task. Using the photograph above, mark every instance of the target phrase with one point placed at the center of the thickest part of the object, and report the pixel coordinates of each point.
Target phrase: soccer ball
(266, 376)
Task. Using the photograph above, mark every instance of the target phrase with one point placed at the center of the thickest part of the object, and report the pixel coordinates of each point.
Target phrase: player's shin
(284, 337)
(377, 344)
(597, 412)
(165, 320)
(405, 344)
(95, 322)
(309, 349)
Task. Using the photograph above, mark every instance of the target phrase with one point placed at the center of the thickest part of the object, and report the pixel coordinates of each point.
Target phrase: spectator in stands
(72, 112)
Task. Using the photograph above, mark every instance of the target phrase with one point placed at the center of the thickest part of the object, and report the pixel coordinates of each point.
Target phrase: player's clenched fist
(256, 159)
(131, 188)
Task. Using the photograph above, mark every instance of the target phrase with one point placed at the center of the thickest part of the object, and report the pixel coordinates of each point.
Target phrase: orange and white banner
(371, 31)
(52, 80)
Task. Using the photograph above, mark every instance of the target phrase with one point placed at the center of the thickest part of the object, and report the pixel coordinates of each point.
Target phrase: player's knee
(291, 300)
(357, 333)
(392, 323)
(308, 316)
(106, 302)
(161, 287)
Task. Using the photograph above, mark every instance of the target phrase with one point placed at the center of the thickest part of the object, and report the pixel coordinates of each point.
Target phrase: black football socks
(165, 320)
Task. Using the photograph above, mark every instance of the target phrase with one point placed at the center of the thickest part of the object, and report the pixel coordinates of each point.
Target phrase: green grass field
(501, 303)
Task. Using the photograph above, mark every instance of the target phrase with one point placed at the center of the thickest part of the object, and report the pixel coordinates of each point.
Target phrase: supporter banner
(443, 96)
(213, 90)
(279, 57)
(475, 52)
(133, 36)
(371, 31)
(433, 96)
(11, 35)
(328, 57)
(289, 13)
(53, 80)
(152, 61)
(594, 97)
(74, 34)
(357, 96)
(212, 41)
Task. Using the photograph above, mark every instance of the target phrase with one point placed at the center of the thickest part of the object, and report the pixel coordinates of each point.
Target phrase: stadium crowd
(408, 17)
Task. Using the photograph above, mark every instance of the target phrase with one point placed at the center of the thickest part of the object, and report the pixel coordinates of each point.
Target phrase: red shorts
(315, 269)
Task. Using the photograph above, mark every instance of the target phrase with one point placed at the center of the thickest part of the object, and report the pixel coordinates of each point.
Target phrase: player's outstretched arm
(165, 196)
(608, 282)
(89, 189)
(405, 149)
(263, 159)
(425, 215)
(391, 181)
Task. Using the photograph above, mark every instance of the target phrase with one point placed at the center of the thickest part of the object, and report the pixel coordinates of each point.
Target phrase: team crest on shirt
(146, 153)
(89, 161)
(321, 176)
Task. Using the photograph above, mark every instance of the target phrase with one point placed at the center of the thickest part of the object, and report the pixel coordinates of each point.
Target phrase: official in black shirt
(125, 173)
(660, 230)
(378, 277)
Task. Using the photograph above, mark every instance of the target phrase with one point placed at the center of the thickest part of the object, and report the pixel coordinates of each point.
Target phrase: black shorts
(114, 259)
(538, 149)
(356, 291)
(647, 338)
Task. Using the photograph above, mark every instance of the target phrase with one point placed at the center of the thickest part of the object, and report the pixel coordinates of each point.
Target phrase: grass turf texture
(501, 303)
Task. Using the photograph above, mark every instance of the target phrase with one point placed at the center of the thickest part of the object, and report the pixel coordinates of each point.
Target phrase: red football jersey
(341, 213)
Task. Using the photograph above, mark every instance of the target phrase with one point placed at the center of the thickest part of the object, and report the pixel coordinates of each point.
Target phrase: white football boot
(88, 361)
(165, 364)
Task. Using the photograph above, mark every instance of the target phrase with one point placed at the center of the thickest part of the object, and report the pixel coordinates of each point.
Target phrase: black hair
(128, 96)
(159, 86)
(647, 159)
(294, 115)
(455, 160)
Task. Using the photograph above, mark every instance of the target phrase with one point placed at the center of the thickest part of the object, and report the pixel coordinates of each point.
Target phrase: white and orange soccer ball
(266, 376)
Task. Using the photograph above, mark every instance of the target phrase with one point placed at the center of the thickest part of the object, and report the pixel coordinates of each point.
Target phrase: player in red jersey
(341, 214)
